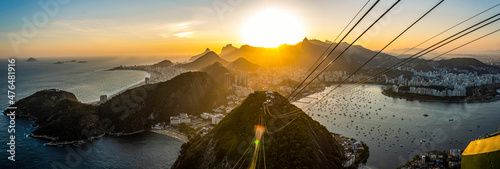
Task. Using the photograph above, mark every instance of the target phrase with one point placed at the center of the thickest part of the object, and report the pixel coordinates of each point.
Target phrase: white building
(205, 115)
(174, 120)
(217, 118)
(455, 153)
(182, 118)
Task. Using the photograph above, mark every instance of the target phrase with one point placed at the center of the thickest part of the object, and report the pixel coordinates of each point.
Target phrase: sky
(182, 28)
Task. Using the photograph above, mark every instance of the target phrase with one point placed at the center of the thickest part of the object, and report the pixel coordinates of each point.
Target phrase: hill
(241, 64)
(64, 120)
(469, 64)
(164, 63)
(199, 55)
(217, 71)
(303, 142)
(203, 61)
(41, 102)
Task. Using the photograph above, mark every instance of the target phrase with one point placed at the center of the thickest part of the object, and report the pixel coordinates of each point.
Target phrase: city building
(217, 118)
(182, 118)
(174, 120)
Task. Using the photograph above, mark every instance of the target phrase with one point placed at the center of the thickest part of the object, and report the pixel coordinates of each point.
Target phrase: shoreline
(393, 96)
(439, 101)
(121, 90)
(171, 133)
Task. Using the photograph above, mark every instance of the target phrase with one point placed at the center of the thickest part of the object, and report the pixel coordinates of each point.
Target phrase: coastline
(58, 143)
(171, 133)
(121, 90)
(399, 96)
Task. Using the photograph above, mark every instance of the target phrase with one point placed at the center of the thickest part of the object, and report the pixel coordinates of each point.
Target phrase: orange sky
(185, 28)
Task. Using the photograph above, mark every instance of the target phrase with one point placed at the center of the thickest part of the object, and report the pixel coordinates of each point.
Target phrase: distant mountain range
(304, 54)
(199, 55)
(203, 61)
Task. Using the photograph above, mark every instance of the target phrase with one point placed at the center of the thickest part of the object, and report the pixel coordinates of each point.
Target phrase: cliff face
(61, 118)
(303, 142)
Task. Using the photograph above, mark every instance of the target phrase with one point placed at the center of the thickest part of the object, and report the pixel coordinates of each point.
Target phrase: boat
(425, 115)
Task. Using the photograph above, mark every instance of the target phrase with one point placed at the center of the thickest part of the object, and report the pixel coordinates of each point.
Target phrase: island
(31, 59)
(70, 61)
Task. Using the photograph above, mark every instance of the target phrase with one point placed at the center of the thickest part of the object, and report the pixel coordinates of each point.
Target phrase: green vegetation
(69, 120)
(304, 142)
(60, 117)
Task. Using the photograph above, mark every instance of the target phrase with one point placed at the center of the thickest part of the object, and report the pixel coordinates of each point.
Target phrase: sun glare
(272, 27)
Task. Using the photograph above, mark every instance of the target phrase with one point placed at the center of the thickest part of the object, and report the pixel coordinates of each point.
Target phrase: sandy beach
(171, 133)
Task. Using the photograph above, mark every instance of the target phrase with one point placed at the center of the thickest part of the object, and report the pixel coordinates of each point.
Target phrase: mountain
(226, 50)
(208, 59)
(164, 63)
(199, 55)
(63, 120)
(469, 64)
(302, 142)
(241, 64)
(217, 71)
(40, 103)
(306, 53)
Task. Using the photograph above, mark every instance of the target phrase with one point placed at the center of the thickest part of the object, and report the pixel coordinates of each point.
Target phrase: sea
(396, 130)
(87, 81)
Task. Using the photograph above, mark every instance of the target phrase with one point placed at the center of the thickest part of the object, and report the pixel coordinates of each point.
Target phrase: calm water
(87, 81)
(374, 119)
(389, 125)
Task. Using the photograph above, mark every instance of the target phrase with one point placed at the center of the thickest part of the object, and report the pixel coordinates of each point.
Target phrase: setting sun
(272, 27)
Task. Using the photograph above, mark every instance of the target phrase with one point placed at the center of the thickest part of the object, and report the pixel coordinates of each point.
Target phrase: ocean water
(393, 128)
(87, 81)
(377, 117)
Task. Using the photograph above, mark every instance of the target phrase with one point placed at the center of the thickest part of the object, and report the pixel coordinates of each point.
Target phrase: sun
(272, 27)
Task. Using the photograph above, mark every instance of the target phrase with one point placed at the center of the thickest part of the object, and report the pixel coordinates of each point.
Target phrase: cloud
(179, 29)
(183, 34)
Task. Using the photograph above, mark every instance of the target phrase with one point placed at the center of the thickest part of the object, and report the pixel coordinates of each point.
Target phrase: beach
(171, 133)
